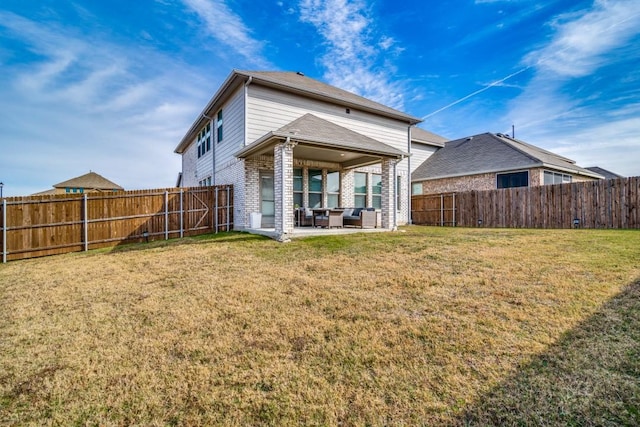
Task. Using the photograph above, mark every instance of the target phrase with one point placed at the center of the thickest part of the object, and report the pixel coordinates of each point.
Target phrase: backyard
(432, 326)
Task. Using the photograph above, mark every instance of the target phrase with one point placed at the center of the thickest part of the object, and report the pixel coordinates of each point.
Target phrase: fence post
(181, 214)
(86, 222)
(4, 231)
(166, 215)
(453, 205)
(441, 209)
(228, 208)
(215, 211)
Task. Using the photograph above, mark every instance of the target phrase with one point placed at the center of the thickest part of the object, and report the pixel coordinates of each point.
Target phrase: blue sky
(113, 86)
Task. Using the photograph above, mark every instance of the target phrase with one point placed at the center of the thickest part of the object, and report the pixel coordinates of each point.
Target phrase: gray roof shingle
(487, 152)
(606, 173)
(90, 180)
(294, 83)
(425, 137)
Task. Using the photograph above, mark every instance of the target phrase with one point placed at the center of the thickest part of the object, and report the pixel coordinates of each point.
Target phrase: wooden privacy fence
(54, 224)
(612, 203)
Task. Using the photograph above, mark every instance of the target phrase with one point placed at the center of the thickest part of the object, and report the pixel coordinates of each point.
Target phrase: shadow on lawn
(591, 376)
(222, 237)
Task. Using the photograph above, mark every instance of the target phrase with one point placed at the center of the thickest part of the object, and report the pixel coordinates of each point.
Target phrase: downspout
(409, 177)
(246, 107)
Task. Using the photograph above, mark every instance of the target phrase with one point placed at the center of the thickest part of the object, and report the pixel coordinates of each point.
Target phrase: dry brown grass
(429, 326)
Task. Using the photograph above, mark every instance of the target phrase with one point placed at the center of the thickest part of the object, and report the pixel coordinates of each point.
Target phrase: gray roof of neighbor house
(312, 130)
(487, 152)
(90, 180)
(425, 137)
(292, 82)
(606, 173)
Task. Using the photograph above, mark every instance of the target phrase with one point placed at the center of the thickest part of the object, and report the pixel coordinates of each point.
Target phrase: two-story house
(284, 140)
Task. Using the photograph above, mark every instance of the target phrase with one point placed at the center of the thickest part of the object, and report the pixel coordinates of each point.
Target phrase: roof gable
(423, 136)
(313, 130)
(90, 180)
(291, 82)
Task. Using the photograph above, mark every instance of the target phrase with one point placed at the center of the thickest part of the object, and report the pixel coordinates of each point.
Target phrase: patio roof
(322, 140)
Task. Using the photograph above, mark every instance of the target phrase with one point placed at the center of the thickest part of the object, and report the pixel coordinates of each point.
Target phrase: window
(360, 190)
(315, 188)
(333, 189)
(219, 126)
(514, 179)
(416, 188)
(298, 198)
(376, 190)
(204, 140)
(556, 178)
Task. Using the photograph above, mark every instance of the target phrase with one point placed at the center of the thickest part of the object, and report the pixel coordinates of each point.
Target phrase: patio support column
(283, 188)
(388, 194)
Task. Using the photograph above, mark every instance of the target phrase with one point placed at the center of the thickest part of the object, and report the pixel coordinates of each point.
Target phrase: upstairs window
(204, 140)
(219, 126)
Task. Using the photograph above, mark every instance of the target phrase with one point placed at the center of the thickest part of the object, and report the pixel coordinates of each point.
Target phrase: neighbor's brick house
(488, 161)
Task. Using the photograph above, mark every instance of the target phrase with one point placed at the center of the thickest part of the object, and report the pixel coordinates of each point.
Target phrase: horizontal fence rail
(55, 224)
(612, 203)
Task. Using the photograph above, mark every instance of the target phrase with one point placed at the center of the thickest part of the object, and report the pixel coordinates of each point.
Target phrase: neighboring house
(489, 161)
(87, 183)
(283, 139)
(607, 174)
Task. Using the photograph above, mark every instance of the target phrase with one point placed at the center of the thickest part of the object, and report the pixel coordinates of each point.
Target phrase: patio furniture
(304, 217)
(326, 217)
(360, 217)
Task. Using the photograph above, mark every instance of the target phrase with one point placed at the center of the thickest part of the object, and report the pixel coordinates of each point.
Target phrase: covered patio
(328, 156)
(301, 232)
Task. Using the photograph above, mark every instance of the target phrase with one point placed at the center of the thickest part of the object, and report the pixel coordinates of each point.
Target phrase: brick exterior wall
(233, 173)
(283, 189)
(481, 182)
(347, 196)
(388, 183)
(251, 171)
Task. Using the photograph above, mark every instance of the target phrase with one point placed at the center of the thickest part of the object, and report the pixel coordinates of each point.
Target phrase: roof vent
(300, 73)
(469, 138)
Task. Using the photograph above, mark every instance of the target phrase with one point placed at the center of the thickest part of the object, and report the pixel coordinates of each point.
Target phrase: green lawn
(431, 326)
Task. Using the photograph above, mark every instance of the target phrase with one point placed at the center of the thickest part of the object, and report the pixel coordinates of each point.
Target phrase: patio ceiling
(320, 140)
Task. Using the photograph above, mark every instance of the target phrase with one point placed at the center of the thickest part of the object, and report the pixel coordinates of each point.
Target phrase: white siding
(420, 153)
(232, 129)
(189, 158)
(268, 110)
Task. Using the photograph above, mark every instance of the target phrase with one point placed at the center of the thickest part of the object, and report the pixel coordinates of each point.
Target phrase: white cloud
(352, 50)
(229, 29)
(579, 102)
(580, 45)
(82, 103)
